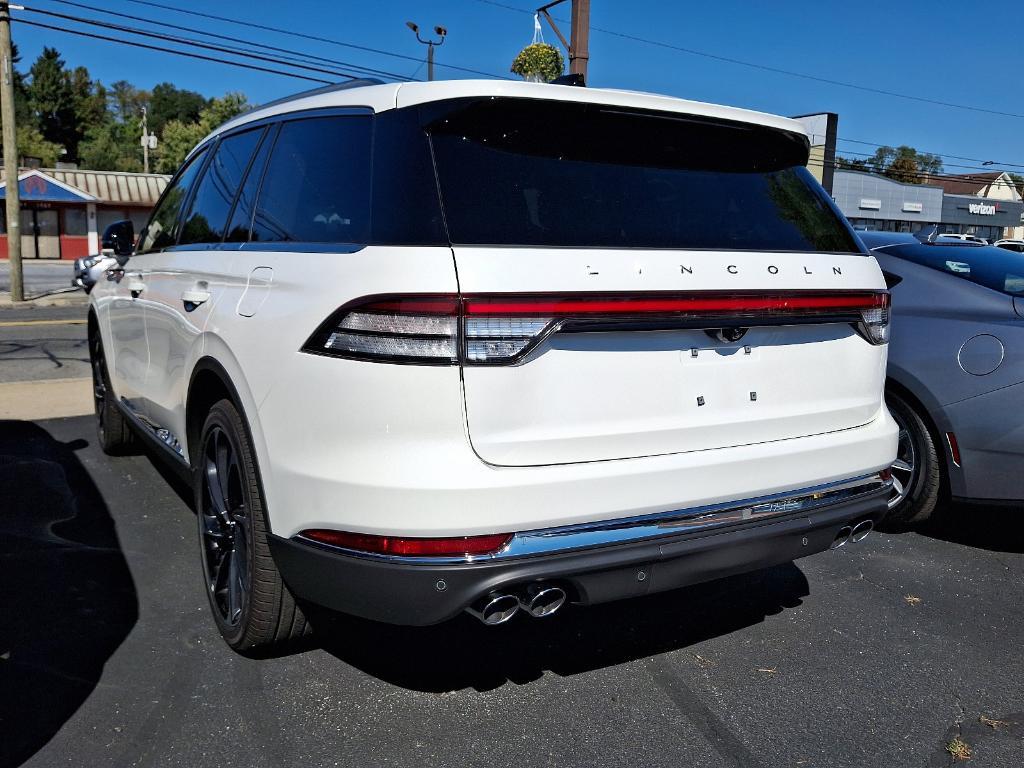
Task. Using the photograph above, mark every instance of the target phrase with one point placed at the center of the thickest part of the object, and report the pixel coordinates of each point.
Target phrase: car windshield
(547, 173)
(995, 268)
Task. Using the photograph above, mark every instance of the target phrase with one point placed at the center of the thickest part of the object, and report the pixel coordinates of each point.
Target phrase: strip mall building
(985, 204)
(64, 211)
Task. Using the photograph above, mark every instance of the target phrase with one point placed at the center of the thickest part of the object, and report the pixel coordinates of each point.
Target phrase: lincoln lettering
(733, 269)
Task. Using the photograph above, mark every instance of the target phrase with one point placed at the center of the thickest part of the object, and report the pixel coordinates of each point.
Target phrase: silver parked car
(956, 370)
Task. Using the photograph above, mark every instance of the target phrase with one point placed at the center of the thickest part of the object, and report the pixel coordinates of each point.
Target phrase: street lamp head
(414, 27)
(441, 31)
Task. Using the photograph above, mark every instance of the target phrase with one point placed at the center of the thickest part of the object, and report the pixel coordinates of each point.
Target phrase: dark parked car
(956, 370)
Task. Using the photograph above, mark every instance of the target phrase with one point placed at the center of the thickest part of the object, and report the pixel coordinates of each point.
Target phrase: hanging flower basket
(539, 62)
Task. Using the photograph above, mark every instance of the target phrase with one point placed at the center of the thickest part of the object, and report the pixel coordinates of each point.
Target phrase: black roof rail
(360, 82)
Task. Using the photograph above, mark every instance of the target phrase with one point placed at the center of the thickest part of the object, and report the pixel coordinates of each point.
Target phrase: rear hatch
(638, 283)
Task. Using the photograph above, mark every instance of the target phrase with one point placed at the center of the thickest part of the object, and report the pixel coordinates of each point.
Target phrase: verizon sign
(983, 209)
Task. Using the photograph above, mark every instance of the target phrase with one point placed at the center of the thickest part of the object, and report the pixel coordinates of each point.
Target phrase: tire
(917, 473)
(252, 606)
(112, 429)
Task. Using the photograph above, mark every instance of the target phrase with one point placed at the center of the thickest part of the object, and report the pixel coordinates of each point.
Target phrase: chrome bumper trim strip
(572, 538)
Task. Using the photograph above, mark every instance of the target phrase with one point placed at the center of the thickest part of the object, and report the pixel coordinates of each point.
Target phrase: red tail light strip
(502, 329)
(605, 305)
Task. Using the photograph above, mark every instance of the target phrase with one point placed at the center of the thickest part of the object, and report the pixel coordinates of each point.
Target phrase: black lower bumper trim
(401, 593)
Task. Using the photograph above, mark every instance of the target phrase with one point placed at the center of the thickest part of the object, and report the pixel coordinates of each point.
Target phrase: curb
(75, 299)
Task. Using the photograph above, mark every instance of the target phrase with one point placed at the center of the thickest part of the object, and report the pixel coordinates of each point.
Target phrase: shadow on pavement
(995, 528)
(463, 653)
(66, 596)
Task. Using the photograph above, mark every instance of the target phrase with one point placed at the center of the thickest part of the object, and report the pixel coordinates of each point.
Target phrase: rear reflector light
(454, 546)
(502, 329)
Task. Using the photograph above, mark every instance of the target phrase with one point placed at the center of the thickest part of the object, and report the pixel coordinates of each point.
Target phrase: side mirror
(119, 237)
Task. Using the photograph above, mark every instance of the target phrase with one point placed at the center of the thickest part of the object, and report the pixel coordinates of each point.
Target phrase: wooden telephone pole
(578, 43)
(10, 135)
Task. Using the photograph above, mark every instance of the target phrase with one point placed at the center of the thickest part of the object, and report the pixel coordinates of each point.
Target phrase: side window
(207, 218)
(317, 184)
(241, 217)
(160, 232)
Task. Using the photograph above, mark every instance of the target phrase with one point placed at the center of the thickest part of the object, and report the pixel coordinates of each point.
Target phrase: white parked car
(964, 238)
(432, 347)
(1010, 245)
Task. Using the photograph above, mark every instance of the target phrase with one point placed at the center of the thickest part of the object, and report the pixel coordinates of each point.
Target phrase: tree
(179, 137)
(1018, 182)
(125, 102)
(904, 164)
(32, 144)
(111, 146)
(168, 102)
(51, 99)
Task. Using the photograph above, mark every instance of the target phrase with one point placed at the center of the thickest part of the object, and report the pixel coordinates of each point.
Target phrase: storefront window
(75, 222)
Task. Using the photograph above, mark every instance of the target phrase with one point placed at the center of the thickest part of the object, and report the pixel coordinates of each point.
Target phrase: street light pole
(10, 134)
(431, 44)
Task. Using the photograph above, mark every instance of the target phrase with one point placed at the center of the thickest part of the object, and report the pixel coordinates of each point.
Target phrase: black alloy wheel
(224, 529)
(253, 608)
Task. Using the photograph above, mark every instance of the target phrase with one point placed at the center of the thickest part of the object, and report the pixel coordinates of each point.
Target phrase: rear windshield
(544, 173)
(995, 268)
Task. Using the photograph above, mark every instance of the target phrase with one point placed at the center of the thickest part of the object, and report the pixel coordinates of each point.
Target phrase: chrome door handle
(195, 298)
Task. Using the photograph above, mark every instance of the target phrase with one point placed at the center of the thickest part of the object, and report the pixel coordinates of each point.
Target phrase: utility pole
(148, 142)
(578, 43)
(145, 143)
(10, 135)
(431, 44)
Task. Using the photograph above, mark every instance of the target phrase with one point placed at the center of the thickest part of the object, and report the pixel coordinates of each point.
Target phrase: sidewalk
(46, 399)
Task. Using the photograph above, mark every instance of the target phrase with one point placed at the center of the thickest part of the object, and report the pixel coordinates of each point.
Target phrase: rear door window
(316, 188)
(161, 231)
(207, 218)
(544, 173)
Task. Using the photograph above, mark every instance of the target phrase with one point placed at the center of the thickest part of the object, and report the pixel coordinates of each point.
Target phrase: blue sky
(931, 49)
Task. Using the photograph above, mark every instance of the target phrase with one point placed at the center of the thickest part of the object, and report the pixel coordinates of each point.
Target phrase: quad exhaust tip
(537, 600)
(855, 533)
(496, 608)
(842, 538)
(542, 600)
(861, 530)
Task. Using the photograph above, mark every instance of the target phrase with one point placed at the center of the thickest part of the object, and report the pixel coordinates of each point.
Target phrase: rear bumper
(423, 593)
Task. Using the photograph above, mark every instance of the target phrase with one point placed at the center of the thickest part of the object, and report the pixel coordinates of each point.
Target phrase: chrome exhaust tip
(496, 608)
(842, 538)
(542, 600)
(861, 530)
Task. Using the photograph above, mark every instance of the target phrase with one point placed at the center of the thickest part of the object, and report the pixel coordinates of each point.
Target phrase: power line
(767, 68)
(308, 57)
(939, 154)
(305, 36)
(188, 54)
(186, 41)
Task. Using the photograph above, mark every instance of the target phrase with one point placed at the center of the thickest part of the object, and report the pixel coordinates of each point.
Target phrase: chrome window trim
(660, 525)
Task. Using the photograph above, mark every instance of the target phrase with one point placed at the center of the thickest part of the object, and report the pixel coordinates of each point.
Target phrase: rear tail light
(398, 546)
(502, 329)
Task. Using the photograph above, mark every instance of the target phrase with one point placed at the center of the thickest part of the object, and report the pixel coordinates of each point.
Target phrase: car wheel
(251, 604)
(112, 429)
(916, 473)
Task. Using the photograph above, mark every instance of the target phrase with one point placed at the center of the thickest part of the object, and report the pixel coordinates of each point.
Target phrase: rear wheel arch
(209, 383)
(912, 400)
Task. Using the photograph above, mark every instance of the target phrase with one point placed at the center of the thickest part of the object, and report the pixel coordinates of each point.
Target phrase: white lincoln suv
(428, 348)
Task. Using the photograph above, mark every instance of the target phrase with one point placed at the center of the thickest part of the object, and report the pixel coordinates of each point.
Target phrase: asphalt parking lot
(882, 653)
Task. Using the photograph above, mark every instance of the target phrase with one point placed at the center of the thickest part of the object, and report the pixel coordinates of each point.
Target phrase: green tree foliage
(65, 115)
(904, 164)
(168, 102)
(179, 137)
